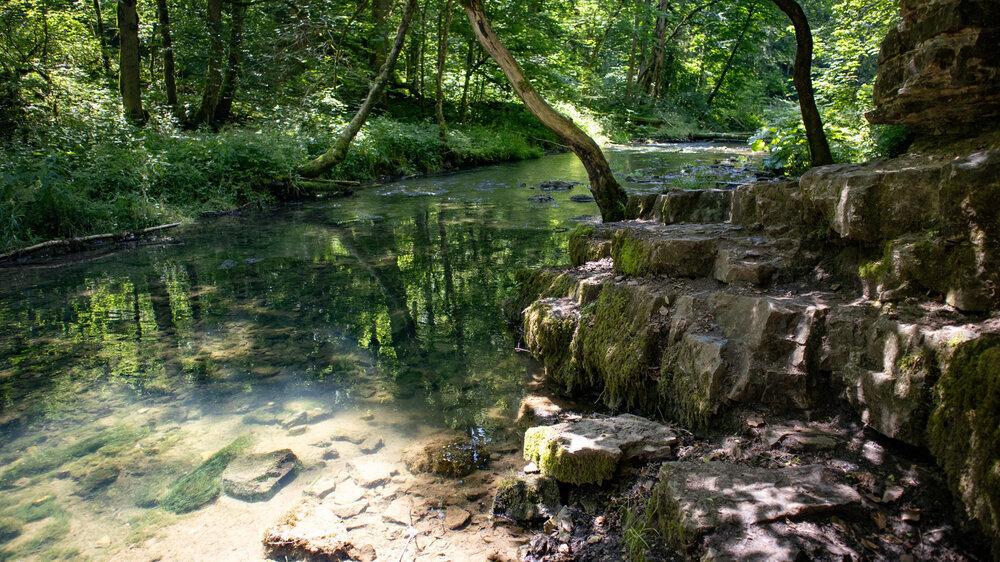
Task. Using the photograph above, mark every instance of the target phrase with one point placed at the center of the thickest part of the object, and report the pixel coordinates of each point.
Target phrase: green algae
(526, 499)
(963, 431)
(549, 337)
(203, 484)
(10, 528)
(53, 458)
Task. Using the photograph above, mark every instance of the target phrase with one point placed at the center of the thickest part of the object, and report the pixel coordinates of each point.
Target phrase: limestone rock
(399, 511)
(309, 532)
(774, 206)
(682, 206)
(694, 498)
(369, 472)
(938, 71)
(452, 455)
(591, 449)
(455, 517)
(526, 498)
(304, 417)
(322, 487)
(346, 492)
(258, 476)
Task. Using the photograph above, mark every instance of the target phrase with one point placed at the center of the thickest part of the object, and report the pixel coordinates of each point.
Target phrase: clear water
(382, 309)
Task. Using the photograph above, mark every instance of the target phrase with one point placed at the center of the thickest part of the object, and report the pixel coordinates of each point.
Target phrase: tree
(167, 50)
(338, 152)
(228, 90)
(213, 76)
(128, 59)
(607, 192)
(444, 24)
(819, 148)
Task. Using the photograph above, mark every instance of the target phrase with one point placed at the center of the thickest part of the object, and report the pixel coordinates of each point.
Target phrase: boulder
(452, 455)
(695, 498)
(591, 449)
(526, 498)
(258, 476)
(938, 70)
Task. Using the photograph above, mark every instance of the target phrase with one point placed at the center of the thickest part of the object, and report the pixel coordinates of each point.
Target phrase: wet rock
(455, 517)
(557, 185)
(347, 492)
(365, 440)
(526, 498)
(540, 199)
(537, 409)
(451, 455)
(322, 487)
(309, 532)
(258, 476)
(330, 453)
(370, 444)
(298, 430)
(305, 417)
(399, 511)
(350, 510)
(581, 199)
(260, 418)
(591, 449)
(695, 498)
(103, 542)
(368, 472)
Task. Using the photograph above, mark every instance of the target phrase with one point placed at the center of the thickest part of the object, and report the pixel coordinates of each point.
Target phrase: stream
(120, 372)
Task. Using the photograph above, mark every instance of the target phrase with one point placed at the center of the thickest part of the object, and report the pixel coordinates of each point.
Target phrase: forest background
(235, 96)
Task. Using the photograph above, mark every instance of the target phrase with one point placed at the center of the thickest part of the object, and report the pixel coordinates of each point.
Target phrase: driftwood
(66, 245)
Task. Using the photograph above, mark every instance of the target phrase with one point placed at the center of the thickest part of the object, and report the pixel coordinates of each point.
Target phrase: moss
(97, 479)
(549, 335)
(50, 534)
(202, 485)
(963, 431)
(586, 466)
(682, 398)
(640, 206)
(37, 510)
(616, 346)
(665, 516)
(9, 528)
(525, 499)
(454, 458)
(631, 255)
(51, 459)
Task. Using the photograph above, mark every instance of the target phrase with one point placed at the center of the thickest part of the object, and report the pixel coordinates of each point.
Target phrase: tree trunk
(338, 152)
(169, 74)
(128, 61)
(228, 91)
(732, 56)
(105, 59)
(380, 14)
(442, 59)
(609, 194)
(819, 149)
(469, 56)
(604, 36)
(213, 76)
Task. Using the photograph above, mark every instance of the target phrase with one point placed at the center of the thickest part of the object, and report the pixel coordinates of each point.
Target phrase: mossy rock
(258, 476)
(963, 431)
(549, 327)
(586, 244)
(447, 455)
(526, 498)
(97, 479)
(202, 485)
(10, 528)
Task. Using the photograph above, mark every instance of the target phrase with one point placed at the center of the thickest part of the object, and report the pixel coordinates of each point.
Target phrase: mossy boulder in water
(590, 450)
(97, 478)
(201, 486)
(9, 528)
(447, 455)
(258, 476)
(964, 430)
(526, 498)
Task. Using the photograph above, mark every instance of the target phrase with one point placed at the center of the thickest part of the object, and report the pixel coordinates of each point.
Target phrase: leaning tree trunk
(213, 76)
(609, 195)
(169, 74)
(819, 149)
(732, 56)
(442, 59)
(228, 91)
(128, 59)
(338, 152)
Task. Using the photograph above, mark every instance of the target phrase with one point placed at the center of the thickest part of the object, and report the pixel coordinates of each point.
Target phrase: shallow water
(121, 372)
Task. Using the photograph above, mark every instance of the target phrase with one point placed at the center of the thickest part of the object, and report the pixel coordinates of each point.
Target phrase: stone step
(682, 206)
(724, 252)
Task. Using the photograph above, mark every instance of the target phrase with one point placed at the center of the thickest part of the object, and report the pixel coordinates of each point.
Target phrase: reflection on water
(119, 373)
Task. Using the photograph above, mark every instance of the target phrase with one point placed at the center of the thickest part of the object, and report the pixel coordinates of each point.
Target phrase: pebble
(297, 430)
(103, 542)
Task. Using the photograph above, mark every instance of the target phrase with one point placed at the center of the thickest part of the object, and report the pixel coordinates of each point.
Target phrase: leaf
(880, 520)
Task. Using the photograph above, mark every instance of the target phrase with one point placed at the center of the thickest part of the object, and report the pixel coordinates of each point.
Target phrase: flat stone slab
(346, 492)
(309, 532)
(694, 498)
(369, 473)
(305, 417)
(590, 450)
(258, 476)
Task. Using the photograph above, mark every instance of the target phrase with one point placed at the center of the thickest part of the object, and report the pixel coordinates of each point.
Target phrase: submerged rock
(447, 455)
(258, 476)
(305, 417)
(202, 485)
(526, 498)
(695, 498)
(590, 450)
(455, 517)
(557, 185)
(97, 479)
(309, 532)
